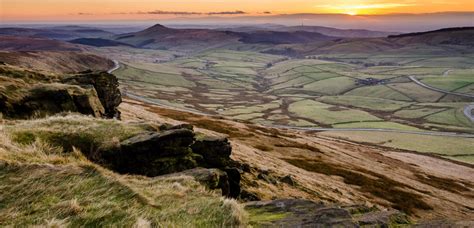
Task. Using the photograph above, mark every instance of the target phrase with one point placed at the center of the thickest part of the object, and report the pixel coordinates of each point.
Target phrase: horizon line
(36, 21)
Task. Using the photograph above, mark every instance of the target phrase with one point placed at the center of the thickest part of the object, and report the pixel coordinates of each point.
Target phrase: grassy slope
(271, 151)
(43, 184)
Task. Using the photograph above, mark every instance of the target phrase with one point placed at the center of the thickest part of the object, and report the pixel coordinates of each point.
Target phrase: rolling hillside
(18, 43)
(98, 42)
(48, 55)
(449, 36)
(56, 62)
(440, 41)
(272, 37)
(161, 37)
(57, 33)
(328, 31)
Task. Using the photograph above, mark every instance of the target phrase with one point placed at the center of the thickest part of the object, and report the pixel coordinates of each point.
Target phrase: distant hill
(68, 28)
(454, 29)
(19, 43)
(333, 32)
(98, 42)
(452, 36)
(271, 37)
(58, 33)
(346, 33)
(161, 37)
(47, 55)
(434, 40)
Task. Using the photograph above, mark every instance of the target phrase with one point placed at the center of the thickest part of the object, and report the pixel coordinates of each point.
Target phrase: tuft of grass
(377, 185)
(238, 214)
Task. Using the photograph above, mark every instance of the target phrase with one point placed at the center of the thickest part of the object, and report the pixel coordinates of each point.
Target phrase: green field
(461, 149)
(371, 103)
(130, 73)
(328, 114)
(322, 91)
(344, 91)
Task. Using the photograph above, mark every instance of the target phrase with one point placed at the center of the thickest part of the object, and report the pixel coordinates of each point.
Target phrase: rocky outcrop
(216, 152)
(170, 150)
(107, 88)
(211, 178)
(24, 94)
(48, 99)
(152, 153)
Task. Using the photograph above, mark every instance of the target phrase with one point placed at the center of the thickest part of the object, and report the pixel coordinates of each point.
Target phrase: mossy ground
(262, 216)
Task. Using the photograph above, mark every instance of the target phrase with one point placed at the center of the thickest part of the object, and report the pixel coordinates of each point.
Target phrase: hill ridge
(451, 29)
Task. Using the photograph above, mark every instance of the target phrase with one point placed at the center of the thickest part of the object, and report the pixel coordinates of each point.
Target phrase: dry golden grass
(47, 185)
(68, 131)
(36, 152)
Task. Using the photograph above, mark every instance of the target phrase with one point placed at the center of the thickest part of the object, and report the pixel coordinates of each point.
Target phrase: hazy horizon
(382, 15)
(387, 22)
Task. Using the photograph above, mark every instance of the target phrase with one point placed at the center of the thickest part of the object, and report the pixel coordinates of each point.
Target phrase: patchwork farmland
(330, 91)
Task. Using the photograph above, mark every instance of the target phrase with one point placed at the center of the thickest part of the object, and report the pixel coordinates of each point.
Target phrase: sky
(89, 10)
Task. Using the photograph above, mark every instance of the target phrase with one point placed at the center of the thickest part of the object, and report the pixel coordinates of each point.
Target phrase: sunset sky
(31, 10)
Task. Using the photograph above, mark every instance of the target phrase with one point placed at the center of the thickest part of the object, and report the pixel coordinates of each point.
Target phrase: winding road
(157, 103)
(468, 110)
(446, 73)
(116, 67)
